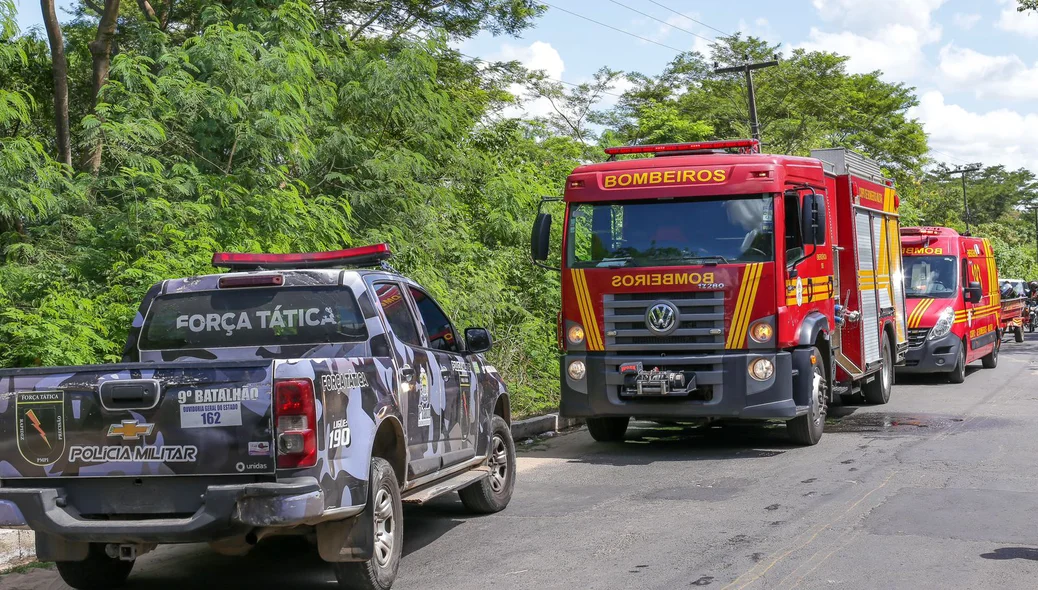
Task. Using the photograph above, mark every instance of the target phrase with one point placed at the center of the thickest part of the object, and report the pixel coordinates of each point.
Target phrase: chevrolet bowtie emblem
(130, 430)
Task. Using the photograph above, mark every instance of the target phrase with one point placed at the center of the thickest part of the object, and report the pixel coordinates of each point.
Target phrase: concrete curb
(531, 427)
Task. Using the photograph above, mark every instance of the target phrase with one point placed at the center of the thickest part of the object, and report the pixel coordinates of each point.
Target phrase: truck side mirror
(540, 240)
(812, 219)
(973, 292)
(478, 340)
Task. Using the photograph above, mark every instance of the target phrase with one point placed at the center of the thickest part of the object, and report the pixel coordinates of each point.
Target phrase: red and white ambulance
(954, 307)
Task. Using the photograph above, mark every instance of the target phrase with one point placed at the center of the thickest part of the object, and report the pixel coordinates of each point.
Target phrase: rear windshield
(277, 316)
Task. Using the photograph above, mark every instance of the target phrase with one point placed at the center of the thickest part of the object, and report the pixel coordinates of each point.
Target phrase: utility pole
(746, 69)
(965, 206)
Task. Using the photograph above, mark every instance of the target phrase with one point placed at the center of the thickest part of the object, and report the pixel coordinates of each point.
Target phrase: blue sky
(974, 63)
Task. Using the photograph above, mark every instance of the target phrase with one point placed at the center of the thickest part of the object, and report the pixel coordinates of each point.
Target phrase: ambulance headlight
(577, 370)
(575, 334)
(943, 325)
(762, 369)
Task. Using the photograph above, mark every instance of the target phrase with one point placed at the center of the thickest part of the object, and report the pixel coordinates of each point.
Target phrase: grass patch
(28, 567)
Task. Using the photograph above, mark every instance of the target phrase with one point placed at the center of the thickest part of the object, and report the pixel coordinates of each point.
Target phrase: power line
(635, 10)
(479, 59)
(690, 18)
(617, 29)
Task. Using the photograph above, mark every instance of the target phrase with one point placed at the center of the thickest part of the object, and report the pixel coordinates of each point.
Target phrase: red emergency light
(746, 146)
(361, 256)
(920, 231)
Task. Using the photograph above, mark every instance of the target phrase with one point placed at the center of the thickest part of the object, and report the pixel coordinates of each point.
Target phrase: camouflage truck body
(180, 443)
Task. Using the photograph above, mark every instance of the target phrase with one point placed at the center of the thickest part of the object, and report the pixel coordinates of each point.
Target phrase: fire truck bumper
(933, 356)
(723, 387)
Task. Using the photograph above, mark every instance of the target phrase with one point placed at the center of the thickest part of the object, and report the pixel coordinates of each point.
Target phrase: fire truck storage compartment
(869, 263)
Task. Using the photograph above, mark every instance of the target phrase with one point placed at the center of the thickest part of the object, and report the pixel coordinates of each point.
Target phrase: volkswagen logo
(662, 318)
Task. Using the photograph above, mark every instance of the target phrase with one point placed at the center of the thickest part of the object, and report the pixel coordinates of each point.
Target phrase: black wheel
(990, 361)
(1018, 333)
(807, 429)
(379, 572)
(958, 374)
(609, 429)
(96, 572)
(878, 391)
(493, 493)
(1030, 325)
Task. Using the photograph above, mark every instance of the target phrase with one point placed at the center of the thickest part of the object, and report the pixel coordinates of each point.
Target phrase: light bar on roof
(920, 231)
(361, 256)
(747, 145)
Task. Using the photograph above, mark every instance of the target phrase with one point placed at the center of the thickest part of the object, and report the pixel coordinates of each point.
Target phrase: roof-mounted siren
(744, 146)
(362, 256)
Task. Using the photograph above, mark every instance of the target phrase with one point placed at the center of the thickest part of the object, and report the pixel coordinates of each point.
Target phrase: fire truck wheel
(991, 360)
(1018, 333)
(958, 374)
(878, 391)
(807, 429)
(609, 429)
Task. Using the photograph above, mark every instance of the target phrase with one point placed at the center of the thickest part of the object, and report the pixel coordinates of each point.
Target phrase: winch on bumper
(693, 386)
(225, 510)
(932, 356)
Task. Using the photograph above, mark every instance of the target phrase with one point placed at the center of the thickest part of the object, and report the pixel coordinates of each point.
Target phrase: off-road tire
(878, 391)
(493, 493)
(609, 429)
(807, 429)
(96, 572)
(1018, 333)
(374, 574)
(958, 372)
(990, 360)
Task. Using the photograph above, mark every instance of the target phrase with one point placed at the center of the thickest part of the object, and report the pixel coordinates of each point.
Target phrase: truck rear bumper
(733, 393)
(226, 510)
(932, 356)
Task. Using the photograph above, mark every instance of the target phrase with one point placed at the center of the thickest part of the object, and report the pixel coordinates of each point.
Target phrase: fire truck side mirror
(974, 292)
(812, 219)
(540, 240)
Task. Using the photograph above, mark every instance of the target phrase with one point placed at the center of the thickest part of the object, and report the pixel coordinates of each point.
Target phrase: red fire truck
(711, 281)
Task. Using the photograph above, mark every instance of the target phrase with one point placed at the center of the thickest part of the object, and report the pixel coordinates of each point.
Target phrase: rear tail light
(295, 418)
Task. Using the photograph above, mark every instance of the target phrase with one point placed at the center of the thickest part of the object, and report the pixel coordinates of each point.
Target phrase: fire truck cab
(953, 301)
(714, 282)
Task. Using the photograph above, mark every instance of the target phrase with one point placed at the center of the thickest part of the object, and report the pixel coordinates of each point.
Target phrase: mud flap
(54, 548)
(352, 539)
(803, 377)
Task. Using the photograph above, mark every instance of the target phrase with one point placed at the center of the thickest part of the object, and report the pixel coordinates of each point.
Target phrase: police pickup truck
(299, 394)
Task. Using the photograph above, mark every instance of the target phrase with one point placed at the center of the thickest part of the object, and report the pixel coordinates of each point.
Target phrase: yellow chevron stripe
(920, 310)
(577, 290)
(744, 290)
(742, 306)
(744, 322)
(587, 317)
(592, 317)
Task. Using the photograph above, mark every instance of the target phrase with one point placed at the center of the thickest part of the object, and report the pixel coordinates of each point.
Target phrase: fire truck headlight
(577, 370)
(762, 369)
(575, 335)
(943, 325)
(761, 332)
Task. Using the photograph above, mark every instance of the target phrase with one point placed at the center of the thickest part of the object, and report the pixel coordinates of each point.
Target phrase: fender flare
(814, 324)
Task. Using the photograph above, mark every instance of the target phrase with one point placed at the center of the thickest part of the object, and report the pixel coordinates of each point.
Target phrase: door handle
(407, 373)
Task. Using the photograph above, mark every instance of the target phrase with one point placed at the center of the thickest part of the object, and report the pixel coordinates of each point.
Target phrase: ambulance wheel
(1018, 333)
(878, 391)
(610, 429)
(807, 429)
(493, 493)
(387, 512)
(97, 571)
(991, 360)
(958, 374)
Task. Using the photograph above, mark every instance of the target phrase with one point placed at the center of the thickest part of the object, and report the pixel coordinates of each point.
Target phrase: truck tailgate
(139, 419)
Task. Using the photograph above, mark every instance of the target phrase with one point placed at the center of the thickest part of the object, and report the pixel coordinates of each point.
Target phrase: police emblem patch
(41, 426)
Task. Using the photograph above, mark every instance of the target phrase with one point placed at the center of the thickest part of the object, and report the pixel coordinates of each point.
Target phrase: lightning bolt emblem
(36, 422)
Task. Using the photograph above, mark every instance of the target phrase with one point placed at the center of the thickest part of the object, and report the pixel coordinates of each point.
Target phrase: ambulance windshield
(930, 276)
(671, 233)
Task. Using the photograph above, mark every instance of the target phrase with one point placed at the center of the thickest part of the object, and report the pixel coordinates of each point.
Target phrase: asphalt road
(937, 489)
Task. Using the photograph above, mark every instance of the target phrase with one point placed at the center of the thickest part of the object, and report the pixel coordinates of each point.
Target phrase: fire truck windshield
(671, 233)
(930, 276)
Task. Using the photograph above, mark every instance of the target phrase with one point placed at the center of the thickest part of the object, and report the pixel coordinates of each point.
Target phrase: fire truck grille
(701, 329)
(917, 336)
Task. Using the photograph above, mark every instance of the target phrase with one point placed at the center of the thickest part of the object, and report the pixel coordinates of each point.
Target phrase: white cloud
(965, 21)
(988, 76)
(539, 55)
(887, 35)
(1021, 23)
(1001, 136)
